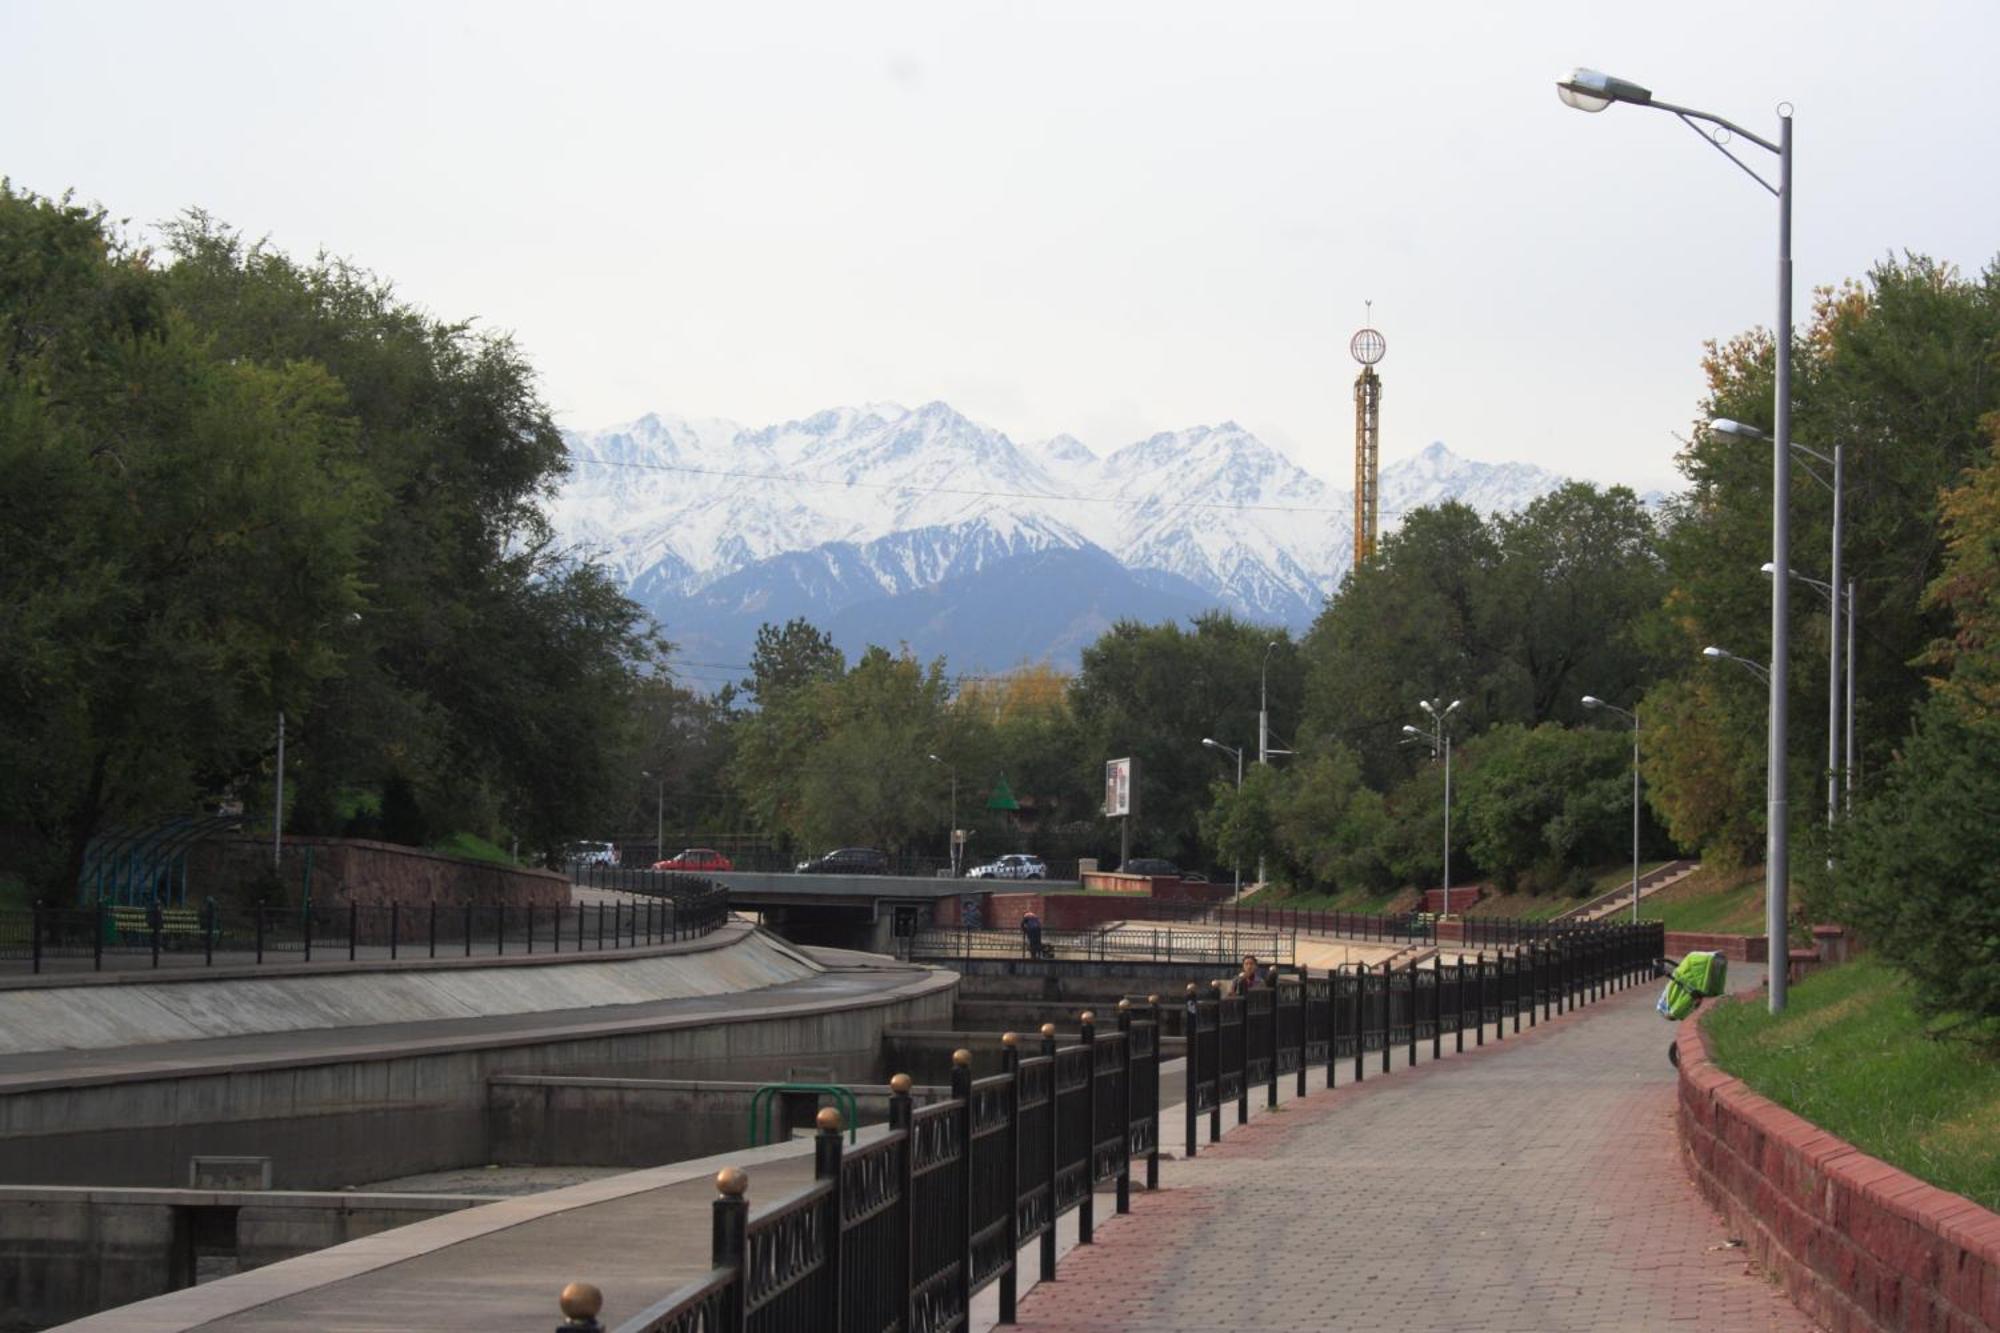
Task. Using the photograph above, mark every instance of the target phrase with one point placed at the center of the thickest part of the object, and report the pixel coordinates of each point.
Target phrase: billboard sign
(1119, 787)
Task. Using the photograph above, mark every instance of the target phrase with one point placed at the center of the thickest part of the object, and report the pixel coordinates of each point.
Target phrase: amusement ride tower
(1367, 347)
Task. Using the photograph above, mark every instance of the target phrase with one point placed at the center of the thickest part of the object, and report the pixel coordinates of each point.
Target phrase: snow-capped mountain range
(924, 527)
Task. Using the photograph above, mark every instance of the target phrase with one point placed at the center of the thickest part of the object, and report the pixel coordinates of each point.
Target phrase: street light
(1592, 701)
(1436, 739)
(1236, 866)
(1844, 612)
(1715, 654)
(659, 817)
(1264, 750)
(953, 839)
(1838, 486)
(1593, 90)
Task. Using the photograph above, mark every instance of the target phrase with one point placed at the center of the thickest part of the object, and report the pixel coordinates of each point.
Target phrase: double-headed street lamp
(1838, 486)
(1592, 90)
(1440, 744)
(953, 838)
(1232, 750)
(1592, 701)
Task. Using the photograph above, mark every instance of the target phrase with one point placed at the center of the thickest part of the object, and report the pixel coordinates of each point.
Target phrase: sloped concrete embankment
(142, 1011)
(336, 1107)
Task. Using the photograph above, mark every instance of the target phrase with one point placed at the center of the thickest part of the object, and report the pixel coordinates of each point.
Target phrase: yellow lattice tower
(1368, 347)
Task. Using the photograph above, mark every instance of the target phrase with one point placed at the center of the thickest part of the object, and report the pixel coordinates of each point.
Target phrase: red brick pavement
(1535, 1184)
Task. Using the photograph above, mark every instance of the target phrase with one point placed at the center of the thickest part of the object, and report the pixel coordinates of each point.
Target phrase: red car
(696, 859)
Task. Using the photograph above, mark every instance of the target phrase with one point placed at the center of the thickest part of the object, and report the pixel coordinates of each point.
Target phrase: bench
(174, 921)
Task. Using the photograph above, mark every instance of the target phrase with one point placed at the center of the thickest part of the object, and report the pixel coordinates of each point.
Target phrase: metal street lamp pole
(1847, 767)
(1437, 713)
(1591, 90)
(1237, 866)
(952, 840)
(1592, 701)
(1838, 486)
(659, 815)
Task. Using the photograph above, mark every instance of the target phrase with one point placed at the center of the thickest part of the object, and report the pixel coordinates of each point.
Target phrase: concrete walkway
(1534, 1184)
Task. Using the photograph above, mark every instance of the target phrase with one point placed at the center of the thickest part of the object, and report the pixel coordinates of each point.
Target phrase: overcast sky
(1102, 219)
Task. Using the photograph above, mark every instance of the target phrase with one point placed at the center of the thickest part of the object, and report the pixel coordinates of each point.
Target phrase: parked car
(593, 854)
(696, 859)
(1014, 865)
(847, 861)
(1150, 865)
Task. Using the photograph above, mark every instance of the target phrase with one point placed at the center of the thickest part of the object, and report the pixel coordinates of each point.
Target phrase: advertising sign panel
(1118, 787)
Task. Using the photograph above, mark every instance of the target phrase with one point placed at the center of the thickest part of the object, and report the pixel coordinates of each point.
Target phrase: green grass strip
(1851, 1055)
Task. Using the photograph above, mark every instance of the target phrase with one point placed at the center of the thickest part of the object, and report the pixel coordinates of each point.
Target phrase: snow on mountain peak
(676, 505)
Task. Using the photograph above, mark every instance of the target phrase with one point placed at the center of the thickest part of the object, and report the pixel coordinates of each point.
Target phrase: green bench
(180, 922)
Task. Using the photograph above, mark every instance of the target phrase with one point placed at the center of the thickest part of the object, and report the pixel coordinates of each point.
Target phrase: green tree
(1898, 370)
(1919, 867)
(1331, 826)
(1154, 691)
(193, 546)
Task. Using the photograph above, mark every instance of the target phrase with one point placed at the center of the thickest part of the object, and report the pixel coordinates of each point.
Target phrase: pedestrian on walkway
(1031, 934)
(1252, 976)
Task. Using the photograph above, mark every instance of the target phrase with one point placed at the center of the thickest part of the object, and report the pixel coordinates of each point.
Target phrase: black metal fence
(1123, 943)
(1358, 1011)
(107, 935)
(901, 1233)
(904, 1231)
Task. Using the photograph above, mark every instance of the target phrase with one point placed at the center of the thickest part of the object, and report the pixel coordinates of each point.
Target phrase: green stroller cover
(1705, 973)
(1699, 976)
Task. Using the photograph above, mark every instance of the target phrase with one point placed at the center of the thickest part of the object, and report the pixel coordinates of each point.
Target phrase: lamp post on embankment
(1593, 91)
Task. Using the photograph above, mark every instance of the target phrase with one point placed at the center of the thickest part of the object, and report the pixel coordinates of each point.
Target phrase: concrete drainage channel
(140, 1169)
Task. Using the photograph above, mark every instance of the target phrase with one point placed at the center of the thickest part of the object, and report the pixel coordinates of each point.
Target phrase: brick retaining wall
(1736, 948)
(1857, 1243)
(371, 874)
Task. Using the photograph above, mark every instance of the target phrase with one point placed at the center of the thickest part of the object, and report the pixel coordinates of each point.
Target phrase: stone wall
(1736, 948)
(371, 874)
(1857, 1243)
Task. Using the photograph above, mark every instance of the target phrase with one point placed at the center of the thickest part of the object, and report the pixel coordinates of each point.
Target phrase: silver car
(1014, 865)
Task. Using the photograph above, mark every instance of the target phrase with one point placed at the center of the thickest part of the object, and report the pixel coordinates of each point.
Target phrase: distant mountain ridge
(893, 525)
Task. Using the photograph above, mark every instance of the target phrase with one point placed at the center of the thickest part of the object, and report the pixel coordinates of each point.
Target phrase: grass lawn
(1542, 906)
(1850, 1055)
(1719, 902)
(473, 848)
(1348, 900)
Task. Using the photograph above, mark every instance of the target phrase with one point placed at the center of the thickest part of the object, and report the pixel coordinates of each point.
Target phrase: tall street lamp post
(1264, 750)
(953, 839)
(1592, 701)
(1592, 90)
(1843, 614)
(1237, 866)
(659, 815)
(1838, 462)
(1440, 744)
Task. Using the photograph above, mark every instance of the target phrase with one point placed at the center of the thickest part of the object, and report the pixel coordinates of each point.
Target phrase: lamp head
(1592, 701)
(934, 759)
(1736, 429)
(1412, 730)
(1453, 708)
(1593, 90)
(1209, 741)
(1713, 653)
(1425, 704)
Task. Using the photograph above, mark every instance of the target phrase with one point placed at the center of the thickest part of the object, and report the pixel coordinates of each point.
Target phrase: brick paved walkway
(1535, 1184)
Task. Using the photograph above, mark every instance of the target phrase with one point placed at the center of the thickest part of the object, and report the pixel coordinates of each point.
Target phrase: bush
(1920, 865)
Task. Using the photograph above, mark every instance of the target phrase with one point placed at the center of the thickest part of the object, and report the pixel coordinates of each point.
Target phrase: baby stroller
(1697, 977)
